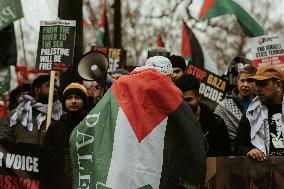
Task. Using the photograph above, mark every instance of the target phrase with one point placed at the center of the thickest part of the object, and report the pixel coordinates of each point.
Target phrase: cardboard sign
(211, 85)
(32, 166)
(10, 10)
(268, 50)
(116, 57)
(56, 45)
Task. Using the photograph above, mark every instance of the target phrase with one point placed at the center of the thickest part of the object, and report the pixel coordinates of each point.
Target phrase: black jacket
(59, 132)
(215, 131)
(243, 140)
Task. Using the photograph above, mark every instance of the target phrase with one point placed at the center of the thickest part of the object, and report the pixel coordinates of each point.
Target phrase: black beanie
(78, 89)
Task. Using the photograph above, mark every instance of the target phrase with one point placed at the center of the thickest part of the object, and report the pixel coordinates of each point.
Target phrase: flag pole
(23, 43)
(50, 99)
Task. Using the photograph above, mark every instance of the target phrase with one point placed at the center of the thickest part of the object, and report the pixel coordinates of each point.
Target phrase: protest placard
(268, 50)
(56, 45)
(116, 57)
(10, 11)
(30, 166)
(212, 86)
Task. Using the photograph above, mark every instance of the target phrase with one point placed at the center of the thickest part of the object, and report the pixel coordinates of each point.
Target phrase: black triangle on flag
(190, 42)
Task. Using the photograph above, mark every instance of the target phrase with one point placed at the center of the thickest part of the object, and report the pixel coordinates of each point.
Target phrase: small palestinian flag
(104, 37)
(194, 52)
(214, 8)
(140, 135)
(191, 49)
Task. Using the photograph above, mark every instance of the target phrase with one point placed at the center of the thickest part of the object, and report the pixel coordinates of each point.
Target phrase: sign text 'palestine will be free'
(56, 45)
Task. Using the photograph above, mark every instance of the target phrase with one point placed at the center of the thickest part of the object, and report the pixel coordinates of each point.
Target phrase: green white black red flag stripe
(214, 8)
(191, 49)
(140, 135)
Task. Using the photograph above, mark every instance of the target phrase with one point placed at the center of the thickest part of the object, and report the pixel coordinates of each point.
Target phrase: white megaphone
(93, 67)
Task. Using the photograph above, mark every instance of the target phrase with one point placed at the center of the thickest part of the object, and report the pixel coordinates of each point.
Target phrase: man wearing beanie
(75, 106)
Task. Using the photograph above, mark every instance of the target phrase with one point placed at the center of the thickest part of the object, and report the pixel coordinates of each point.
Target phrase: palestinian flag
(159, 41)
(214, 8)
(140, 135)
(104, 37)
(190, 47)
(10, 11)
(194, 53)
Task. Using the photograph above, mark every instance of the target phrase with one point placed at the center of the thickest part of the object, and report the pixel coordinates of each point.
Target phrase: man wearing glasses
(257, 129)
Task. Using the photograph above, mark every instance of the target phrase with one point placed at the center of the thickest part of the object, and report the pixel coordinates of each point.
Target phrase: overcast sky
(37, 10)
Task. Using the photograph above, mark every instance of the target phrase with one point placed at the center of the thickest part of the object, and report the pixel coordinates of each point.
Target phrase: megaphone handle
(109, 80)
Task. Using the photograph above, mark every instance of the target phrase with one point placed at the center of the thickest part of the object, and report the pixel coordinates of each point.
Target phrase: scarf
(24, 112)
(257, 115)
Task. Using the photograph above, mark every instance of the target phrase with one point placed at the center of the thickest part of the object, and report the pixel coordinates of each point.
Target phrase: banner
(10, 10)
(116, 57)
(268, 50)
(29, 166)
(237, 172)
(212, 86)
(56, 45)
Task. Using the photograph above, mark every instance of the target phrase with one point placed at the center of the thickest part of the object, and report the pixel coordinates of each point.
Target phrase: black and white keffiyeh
(24, 112)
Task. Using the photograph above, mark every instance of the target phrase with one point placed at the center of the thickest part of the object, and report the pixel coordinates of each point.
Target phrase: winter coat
(18, 133)
(59, 132)
(215, 131)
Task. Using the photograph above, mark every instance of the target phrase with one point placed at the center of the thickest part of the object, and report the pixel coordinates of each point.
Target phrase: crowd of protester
(249, 120)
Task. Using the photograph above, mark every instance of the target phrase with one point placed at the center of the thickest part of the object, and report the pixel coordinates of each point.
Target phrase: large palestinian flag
(214, 8)
(140, 135)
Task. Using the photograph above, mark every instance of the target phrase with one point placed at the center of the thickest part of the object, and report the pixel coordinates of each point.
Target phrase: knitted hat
(78, 89)
(161, 64)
